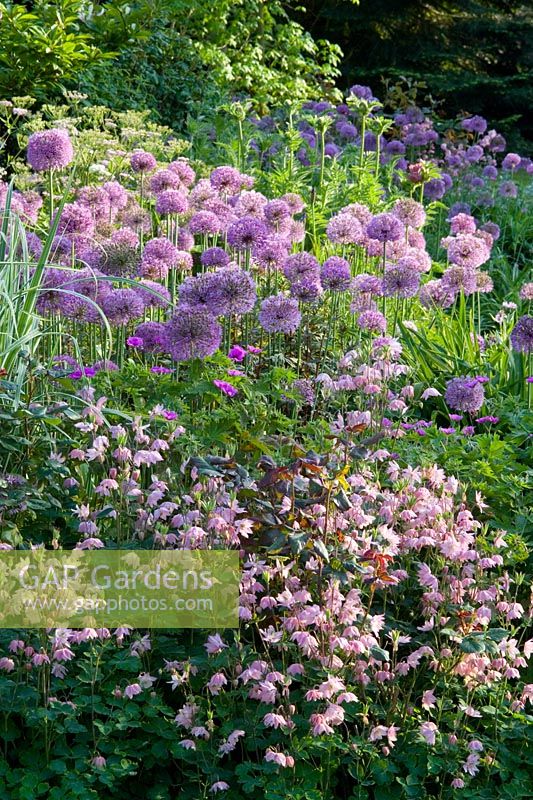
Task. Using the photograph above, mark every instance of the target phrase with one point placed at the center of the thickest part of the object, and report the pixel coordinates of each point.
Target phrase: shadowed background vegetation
(474, 55)
(178, 57)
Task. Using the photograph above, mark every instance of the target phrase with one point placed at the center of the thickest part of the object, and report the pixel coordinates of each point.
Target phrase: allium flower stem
(51, 193)
(362, 150)
(299, 349)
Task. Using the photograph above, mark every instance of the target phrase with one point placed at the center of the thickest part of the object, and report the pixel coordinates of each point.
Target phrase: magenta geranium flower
(226, 388)
(237, 353)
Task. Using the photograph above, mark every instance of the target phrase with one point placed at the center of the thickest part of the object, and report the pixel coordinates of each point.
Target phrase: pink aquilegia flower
(146, 457)
(214, 644)
(187, 744)
(219, 786)
(428, 731)
(131, 690)
(281, 759)
(381, 731)
(217, 681)
(428, 700)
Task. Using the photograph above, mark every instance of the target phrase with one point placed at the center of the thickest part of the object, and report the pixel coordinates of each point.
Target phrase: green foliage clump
(168, 56)
(44, 48)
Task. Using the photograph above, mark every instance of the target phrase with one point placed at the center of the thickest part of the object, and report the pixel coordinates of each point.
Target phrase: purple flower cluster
(465, 394)
(49, 150)
(159, 256)
(522, 335)
(335, 274)
(141, 161)
(280, 314)
(192, 334)
(385, 228)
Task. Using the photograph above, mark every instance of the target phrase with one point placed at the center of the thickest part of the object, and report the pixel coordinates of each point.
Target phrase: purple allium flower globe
(199, 293)
(86, 282)
(372, 321)
(97, 200)
(345, 228)
(400, 282)
(49, 300)
(460, 279)
(251, 204)
(358, 210)
(171, 201)
(121, 306)
(153, 336)
(522, 335)
(508, 189)
(33, 244)
(368, 284)
(153, 294)
(410, 212)
(435, 293)
(468, 251)
(475, 124)
(307, 289)
(335, 274)
(184, 261)
(511, 161)
(49, 150)
(484, 283)
(294, 201)
(301, 265)
(462, 223)
(493, 229)
(246, 232)
(227, 180)
(271, 253)
(204, 223)
(234, 291)
(385, 228)
(118, 196)
(164, 179)
(434, 189)
(464, 394)
(192, 334)
(526, 292)
(76, 220)
(141, 161)
(277, 213)
(119, 257)
(214, 257)
(183, 170)
(362, 92)
(363, 302)
(185, 239)
(280, 314)
(159, 256)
